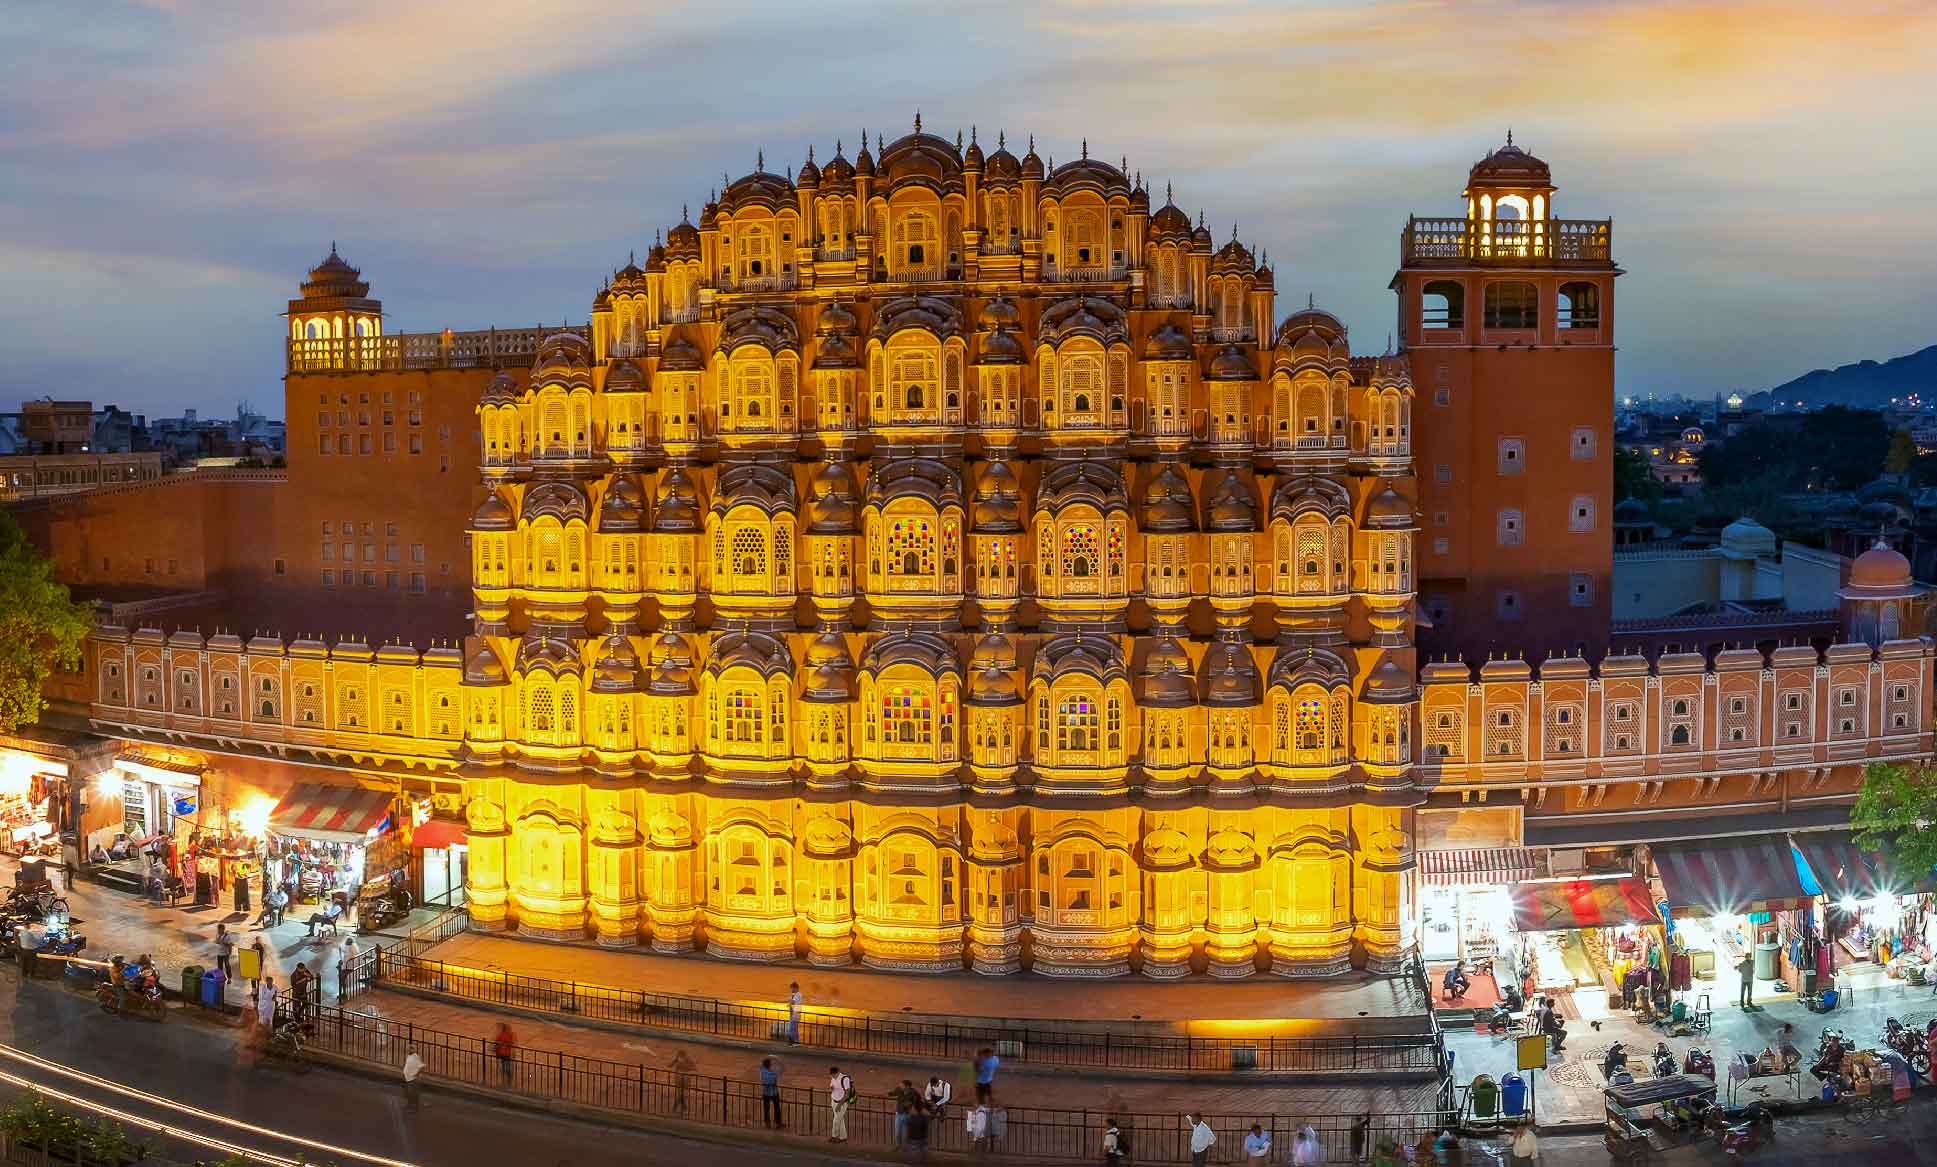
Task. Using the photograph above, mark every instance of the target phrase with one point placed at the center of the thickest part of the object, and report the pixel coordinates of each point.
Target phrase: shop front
(1724, 897)
(442, 858)
(327, 842)
(1586, 934)
(1465, 910)
(1865, 910)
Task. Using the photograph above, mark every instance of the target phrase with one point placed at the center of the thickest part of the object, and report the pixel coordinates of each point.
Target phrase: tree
(1902, 455)
(1894, 815)
(1633, 478)
(41, 629)
(1835, 448)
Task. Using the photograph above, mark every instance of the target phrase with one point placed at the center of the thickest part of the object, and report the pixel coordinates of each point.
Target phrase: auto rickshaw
(1655, 1114)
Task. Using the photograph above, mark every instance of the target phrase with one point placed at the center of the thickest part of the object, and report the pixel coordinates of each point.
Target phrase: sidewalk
(1570, 1089)
(1353, 1003)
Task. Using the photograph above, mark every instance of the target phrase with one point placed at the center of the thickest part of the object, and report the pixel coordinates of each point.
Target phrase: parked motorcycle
(1664, 1060)
(1615, 1061)
(1908, 1043)
(1698, 1061)
(146, 1001)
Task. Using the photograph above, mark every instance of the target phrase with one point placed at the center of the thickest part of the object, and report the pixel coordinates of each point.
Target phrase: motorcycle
(1909, 1044)
(1664, 1060)
(1740, 1131)
(139, 1000)
(1699, 1061)
(1831, 1036)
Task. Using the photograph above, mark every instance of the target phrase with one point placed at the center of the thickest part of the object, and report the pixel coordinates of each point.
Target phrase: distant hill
(1865, 384)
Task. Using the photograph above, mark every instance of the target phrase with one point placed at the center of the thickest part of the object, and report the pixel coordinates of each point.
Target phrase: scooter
(139, 1000)
(1739, 1136)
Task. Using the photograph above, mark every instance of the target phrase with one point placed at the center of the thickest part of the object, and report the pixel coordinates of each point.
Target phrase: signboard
(1532, 1052)
(248, 964)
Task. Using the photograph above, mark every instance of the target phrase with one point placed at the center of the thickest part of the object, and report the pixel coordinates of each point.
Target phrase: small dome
(1169, 343)
(838, 169)
(837, 317)
(1166, 676)
(829, 669)
(623, 508)
(831, 503)
(682, 242)
(997, 505)
(1031, 164)
(1200, 236)
(493, 514)
(483, 667)
(1881, 568)
(994, 686)
(1231, 364)
(1003, 168)
(679, 356)
(836, 351)
(333, 279)
(827, 838)
(618, 667)
(1509, 166)
(999, 312)
(1228, 675)
(864, 161)
(1233, 257)
(1230, 850)
(1229, 506)
(972, 158)
(1167, 503)
(1743, 539)
(1388, 509)
(1631, 512)
(624, 377)
(676, 509)
(1166, 847)
(502, 390)
(1169, 223)
(1388, 683)
(810, 174)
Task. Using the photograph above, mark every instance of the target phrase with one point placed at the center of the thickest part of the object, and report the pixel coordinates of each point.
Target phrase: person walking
(1307, 1150)
(986, 1062)
(1112, 1144)
(347, 964)
(266, 1005)
(977, 1124)
(840, 1094)
(1745, 968)
(770, 1072)
(682, 1068)
(1257, 1146)
(224, 949)
(413, 1072)
(905, 1098)
(505, 1045)
(793, 1013)
(1361, 1132)
(299, 986)
(1202, 1139)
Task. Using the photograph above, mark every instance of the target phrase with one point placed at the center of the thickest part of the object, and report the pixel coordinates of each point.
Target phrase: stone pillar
(486, 894)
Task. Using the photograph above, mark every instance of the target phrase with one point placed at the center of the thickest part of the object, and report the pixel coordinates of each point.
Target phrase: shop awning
(436, 833)
(1845, 871)
(1730, 877)
(330, 814)
(1481, 865)
(1581, 903)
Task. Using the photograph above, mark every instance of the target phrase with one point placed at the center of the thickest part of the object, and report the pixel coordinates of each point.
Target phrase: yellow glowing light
(255, 816)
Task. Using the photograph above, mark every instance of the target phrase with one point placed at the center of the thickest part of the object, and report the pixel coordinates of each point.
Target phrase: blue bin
(1513, 1096)
(212, 988)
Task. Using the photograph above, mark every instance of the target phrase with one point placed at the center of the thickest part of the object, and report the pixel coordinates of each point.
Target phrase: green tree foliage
(1902, 454)
(1633, 478)
(1831, 449)
(1896, 815)
(41, 629)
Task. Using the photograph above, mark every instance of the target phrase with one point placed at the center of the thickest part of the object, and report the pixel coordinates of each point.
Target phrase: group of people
(1307, 1149)
(916, 1108)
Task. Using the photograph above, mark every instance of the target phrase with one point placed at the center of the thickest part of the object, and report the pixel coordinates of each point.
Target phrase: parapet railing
(634, 1088)
(1041, 1044)
(484, 348)
(1507, 241)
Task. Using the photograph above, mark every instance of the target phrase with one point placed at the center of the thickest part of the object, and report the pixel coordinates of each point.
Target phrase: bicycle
(288, 1046)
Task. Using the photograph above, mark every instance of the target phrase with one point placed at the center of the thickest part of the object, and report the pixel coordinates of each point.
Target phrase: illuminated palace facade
(940, 559)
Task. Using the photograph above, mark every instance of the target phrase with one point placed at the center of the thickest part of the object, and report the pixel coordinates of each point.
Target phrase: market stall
(1865, 907)
(325, 839)
(1722, 896)
(1465, 909)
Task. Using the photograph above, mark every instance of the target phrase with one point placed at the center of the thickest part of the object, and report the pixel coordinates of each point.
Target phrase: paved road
(200, 1065)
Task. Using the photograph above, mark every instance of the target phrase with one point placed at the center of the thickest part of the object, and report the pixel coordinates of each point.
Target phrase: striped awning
(1551, 905)
(1730, 877)
(1476, 865)
(330, 814)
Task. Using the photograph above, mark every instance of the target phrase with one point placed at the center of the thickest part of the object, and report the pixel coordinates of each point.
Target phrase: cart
(1648, 1117)
(380, 903)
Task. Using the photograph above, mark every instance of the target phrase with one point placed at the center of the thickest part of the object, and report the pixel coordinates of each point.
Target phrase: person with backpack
(840, 1092)
(1113, 1145)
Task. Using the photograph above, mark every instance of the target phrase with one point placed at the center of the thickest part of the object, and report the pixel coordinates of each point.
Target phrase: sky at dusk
(169, 170)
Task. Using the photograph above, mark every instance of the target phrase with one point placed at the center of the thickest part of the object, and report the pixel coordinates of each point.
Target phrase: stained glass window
(906, 714)
(742, 716)
(1311, 724)
(1079, 550)
(911, 547)
(1076, 724)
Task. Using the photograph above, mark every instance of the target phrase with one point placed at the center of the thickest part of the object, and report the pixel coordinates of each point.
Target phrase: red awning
(330, 814)
(1730, 877)
(437, 833)
(1476, 865)
(1581, 903)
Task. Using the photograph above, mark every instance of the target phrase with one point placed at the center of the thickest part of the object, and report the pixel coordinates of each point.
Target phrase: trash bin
(1513, 1096)
(1765, 961)
(212, 983)
(192, 982)
(1808, 986)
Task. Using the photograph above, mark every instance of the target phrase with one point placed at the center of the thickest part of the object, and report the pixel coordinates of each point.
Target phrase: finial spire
(332, 247)
(1032, 143)
(1123, 163)
(958, 141)
(1234, 230)
(1001, 139)
(685, 212)
(971, 133)
(1311, 300)
(918, 121)
(837, 148)
(810, 153)
(878, 146)
(1167, 194)
(1086, 149)
(629, 257)
(759, 161)
(1200, 216)
(1509, 135)
(864, 137)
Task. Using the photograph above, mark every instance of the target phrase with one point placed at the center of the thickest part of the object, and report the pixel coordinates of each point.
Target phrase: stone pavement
(1355, 1003)
(876, 1074)
(117, 923)
(1570, 1089)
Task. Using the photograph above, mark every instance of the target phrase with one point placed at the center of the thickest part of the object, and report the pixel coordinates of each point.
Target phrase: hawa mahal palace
(940, 558)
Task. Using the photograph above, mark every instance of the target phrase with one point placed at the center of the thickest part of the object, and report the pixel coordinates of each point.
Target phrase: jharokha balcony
(1507, 242)
(485, 348)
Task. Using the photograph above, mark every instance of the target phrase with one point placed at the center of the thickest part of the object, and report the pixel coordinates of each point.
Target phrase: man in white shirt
(1202, 1139)
(840, 1091)
(937, 1096)
(1257, 1146)
(977, 1123)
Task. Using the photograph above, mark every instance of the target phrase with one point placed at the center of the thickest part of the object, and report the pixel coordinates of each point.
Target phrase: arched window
(1082, 387)
(749, 556)
(906, 716)
(1578, 305)
(1076, 723)
(912, 383)
(1512, 304)
(915, 243)
(756, 252)
(1442, 304)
